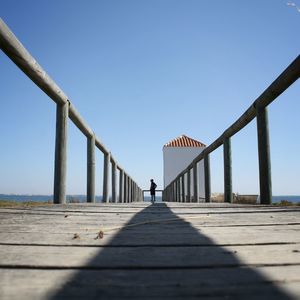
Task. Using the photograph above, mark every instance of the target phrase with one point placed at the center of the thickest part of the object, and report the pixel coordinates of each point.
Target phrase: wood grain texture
(160, 251)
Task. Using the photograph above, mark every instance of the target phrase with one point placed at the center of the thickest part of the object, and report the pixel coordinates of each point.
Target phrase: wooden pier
(129, 249)
(141, 251)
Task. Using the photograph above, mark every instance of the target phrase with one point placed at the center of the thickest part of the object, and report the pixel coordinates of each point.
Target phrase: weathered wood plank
(149, 257)
(196, 216)
(170, 234)
(239, 283)
(220, 238)
(67, 221)
(94, 207)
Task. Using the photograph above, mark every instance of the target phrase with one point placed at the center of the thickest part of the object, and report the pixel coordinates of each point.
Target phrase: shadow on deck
(166, 260)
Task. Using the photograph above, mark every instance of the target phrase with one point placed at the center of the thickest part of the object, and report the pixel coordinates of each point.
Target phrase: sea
(82, 198)
(294, 199)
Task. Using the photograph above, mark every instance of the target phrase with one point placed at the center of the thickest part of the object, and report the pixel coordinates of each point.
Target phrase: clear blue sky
(142, 73)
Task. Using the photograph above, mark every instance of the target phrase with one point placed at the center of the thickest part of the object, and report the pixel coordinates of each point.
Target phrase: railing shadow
(169, 259)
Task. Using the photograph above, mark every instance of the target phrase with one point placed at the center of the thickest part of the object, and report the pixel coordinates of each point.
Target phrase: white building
(178, 154)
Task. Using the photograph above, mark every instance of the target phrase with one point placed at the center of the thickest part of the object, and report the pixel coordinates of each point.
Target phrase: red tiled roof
(184, 141)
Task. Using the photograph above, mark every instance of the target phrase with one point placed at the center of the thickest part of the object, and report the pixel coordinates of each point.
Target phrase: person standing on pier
(152, 190)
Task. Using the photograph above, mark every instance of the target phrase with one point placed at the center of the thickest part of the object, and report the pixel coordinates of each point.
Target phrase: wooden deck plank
(218, 236)
(149, 256)
(226, 219)
(224, 283)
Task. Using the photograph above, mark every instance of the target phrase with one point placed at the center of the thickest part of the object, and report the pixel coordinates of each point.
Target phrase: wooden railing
(148, 191)
(180, 189)
(128, 189)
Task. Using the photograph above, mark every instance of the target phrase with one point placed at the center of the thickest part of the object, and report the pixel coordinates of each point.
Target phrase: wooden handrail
(257, 109)
(14, 49)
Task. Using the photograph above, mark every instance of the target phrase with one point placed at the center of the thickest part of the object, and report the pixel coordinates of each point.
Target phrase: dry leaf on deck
(76, 236)
(100, 235)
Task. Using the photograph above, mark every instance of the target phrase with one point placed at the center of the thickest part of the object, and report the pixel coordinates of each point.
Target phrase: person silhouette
(152, 190)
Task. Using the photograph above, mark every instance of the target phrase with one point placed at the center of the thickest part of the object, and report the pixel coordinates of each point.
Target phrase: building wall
(178, 158)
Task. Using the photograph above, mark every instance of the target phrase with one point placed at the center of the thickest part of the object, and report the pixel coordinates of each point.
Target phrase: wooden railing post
(188, 185)
(227, 171)
(195, 182)
(128, 188)
(183, 188)
(60, 164)
(136, 192)
(114, 181)
(106, 177)
(132, 190)
(178, 190)
(90, 193)
(125, 189)
(207, 178)
(173, 191)
(121, 186)
(265, 180)
(168, 198)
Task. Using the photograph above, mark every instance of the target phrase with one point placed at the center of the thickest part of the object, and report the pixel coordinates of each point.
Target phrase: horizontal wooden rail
(283, 82)
(79, 122)
(14, 49)
(145, 191)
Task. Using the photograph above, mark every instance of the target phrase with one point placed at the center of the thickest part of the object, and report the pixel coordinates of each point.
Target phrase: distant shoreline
(82, 198)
